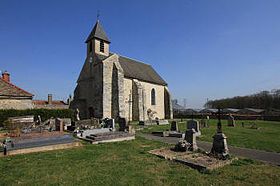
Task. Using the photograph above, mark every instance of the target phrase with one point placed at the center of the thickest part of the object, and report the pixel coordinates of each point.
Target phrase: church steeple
(97, 41)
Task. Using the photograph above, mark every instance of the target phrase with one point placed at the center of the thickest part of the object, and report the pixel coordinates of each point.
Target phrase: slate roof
(98, 32)
(137, 70)
(141, 71)
(8, 89)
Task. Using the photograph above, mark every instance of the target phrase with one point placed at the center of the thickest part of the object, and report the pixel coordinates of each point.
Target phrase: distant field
(124, 163)
(267, 137)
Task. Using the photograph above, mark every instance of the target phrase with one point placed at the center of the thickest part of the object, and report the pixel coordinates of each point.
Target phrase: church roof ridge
(136, 60)
(139, 70)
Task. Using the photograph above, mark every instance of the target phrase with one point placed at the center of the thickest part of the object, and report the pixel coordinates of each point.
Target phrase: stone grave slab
(196, 160)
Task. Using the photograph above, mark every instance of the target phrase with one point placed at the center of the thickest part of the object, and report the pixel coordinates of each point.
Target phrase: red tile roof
(8, 89)
(44, 102)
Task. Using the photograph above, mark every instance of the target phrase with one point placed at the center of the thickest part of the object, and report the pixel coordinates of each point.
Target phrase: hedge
(44, 113)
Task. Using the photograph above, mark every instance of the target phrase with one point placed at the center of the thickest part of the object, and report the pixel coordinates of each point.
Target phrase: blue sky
(203, 49)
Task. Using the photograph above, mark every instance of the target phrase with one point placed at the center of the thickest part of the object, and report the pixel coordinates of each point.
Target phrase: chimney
(49, 99)
(6, 76)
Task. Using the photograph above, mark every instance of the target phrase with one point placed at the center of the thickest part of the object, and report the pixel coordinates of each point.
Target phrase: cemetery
(111, 119)
(152, 160)
(25, 134)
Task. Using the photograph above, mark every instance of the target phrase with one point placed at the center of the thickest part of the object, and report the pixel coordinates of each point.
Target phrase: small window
(90, 46)
(153, 97)
(101, 46)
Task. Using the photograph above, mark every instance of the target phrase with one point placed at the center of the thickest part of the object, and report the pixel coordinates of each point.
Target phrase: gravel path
(268, 157)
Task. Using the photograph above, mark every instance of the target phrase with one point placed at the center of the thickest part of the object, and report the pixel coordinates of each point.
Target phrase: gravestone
(231, 121)
(202, 123)
(131, 129)
(109, 123)
(66, 122)
(174, 126)
(190, 137)
(194, 124)
(182, 146)
(77, 114)
(59, 124)
(142, 123)
(163, 122)
(122, 124)
(39, 120)
(207, 121)
(88, 123)
(52, 125)
(219, 146)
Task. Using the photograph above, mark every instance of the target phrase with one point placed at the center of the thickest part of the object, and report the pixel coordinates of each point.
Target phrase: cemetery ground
(129, 163)
(266, 137)
(125, 163)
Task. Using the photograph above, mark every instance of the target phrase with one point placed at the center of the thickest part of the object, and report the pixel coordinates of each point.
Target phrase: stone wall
(141, 97)
(127, 97)
(119, 92)
(159, 92)
(89, 90)
(138, 97)
(19, 104)
(167, 104)
(108, 65)
(95, 91)
(96, 48)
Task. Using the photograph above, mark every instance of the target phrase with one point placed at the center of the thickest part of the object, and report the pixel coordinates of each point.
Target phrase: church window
(90, 46)
(101, 46)
(153, 97)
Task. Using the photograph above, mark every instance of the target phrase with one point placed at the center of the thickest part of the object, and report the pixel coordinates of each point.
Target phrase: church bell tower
(98, 42)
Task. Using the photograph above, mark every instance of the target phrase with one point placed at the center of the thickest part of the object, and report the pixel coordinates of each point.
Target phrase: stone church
(111, 85)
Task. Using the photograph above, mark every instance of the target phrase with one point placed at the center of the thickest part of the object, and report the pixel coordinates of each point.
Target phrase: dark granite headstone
(109, 123)
(190, 137)
(122, 124)
(174, 126)
(194, 124)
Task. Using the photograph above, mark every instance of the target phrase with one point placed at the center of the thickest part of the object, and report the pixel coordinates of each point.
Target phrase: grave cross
(219, 125)
(129, 105)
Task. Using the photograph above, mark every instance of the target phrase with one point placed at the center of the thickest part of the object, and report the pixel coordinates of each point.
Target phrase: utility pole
(185, 103)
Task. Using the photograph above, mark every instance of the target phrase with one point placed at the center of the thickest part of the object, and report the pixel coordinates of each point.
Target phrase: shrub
(44, 113)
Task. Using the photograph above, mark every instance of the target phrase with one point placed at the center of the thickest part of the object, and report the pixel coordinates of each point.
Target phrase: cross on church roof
(98, 15)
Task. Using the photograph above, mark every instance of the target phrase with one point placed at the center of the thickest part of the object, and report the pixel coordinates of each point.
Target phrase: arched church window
(153, 97)
(101, 46)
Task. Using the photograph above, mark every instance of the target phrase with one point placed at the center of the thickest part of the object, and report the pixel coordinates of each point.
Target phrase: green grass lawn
(267, 137)
(124, 163)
